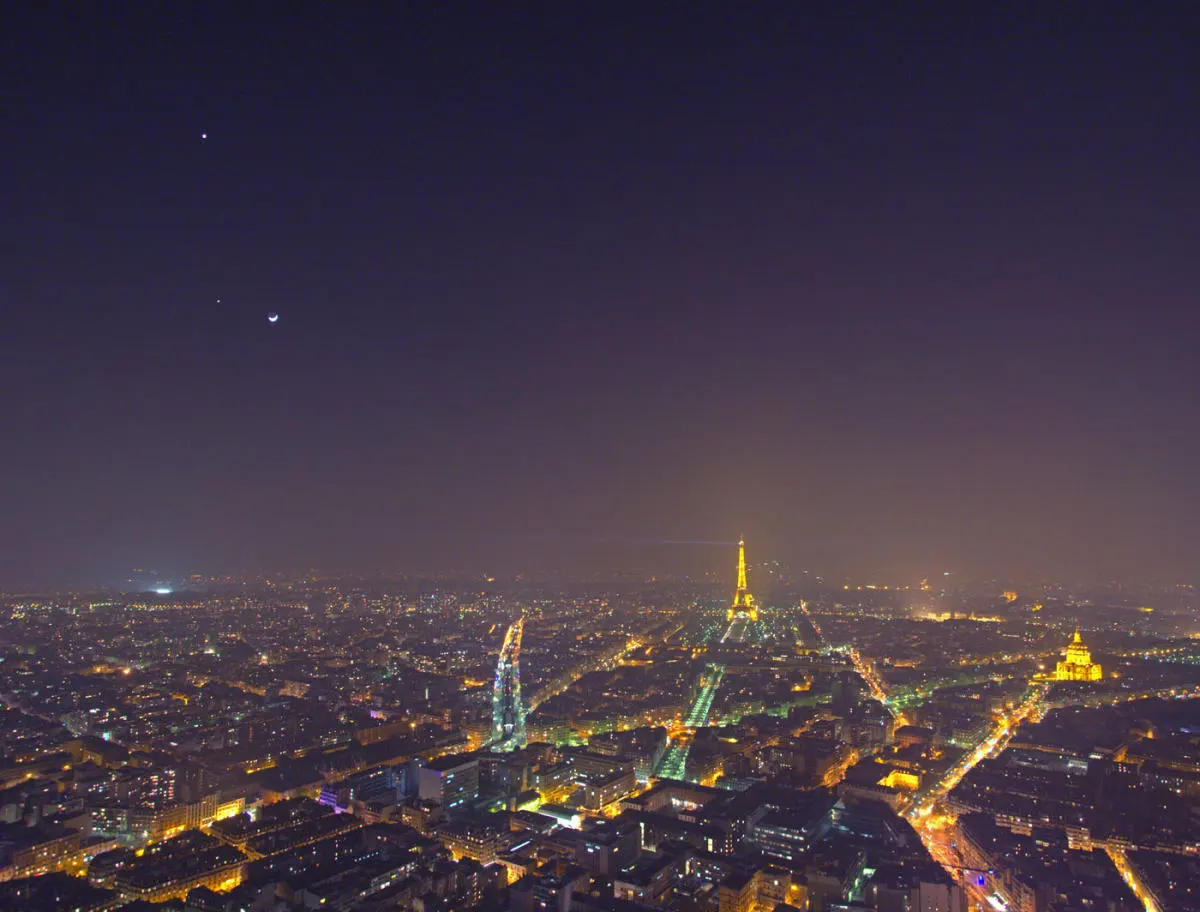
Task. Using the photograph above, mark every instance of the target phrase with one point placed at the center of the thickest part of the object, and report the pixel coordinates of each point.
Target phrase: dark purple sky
(887, 293)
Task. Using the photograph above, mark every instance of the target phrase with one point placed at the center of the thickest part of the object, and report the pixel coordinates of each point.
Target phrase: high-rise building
(508, 713)
(318, 604)
(451, 781)
(743, 602)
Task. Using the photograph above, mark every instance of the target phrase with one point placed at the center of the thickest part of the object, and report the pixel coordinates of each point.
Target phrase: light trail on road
(674, 764)
(1130, 875)
(866, 671)
(565, 681)
(928, 825)
(995, 742)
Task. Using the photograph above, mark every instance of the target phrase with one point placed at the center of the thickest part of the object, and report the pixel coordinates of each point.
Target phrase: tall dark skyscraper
(318, 604)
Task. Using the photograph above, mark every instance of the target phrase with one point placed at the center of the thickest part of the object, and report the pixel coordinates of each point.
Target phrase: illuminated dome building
(1077, 665)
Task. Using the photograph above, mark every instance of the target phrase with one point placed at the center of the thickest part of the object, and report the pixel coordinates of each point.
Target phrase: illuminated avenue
(657, 743)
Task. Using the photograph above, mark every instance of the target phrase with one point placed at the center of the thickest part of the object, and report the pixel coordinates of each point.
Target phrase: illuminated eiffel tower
(743, 602)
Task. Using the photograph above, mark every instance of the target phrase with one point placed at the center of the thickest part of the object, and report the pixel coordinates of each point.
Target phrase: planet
(272, 318)
(204, 136)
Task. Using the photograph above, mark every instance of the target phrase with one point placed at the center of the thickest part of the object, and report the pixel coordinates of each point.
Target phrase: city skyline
(610, 561)
(626, 456)
(366, 747)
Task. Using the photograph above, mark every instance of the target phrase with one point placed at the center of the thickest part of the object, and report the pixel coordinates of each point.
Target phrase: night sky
(885, 291)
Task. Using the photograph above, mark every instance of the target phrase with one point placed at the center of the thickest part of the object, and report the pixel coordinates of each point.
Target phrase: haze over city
(890, 293)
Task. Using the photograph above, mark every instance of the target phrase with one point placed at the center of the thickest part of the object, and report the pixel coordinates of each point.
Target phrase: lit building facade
(1077, 665)
(451, 781)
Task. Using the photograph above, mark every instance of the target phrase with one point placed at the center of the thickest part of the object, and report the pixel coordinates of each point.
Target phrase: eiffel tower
(743, 602)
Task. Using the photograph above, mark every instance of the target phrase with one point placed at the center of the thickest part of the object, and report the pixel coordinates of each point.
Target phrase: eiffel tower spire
(743, 601)
(740, 596)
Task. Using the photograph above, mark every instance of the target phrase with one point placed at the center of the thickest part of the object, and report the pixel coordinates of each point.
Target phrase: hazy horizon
(887, 293)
